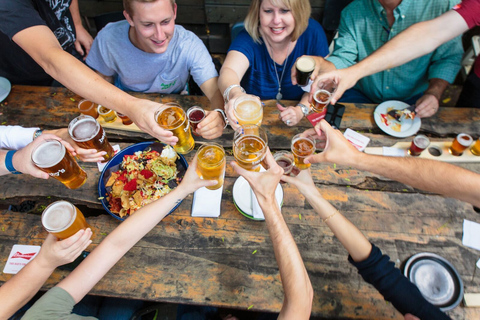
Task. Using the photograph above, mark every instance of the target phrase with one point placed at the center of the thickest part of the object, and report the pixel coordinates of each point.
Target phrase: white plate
(243, 200)
(409, 126)
(5, 88)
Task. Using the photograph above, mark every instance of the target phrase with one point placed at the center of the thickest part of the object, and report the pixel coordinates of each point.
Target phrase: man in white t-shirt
(149, 53)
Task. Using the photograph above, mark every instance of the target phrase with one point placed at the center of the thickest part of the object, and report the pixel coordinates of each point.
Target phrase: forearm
(75, 12)
(210, 89)
(17, 291)
(296, 283)
(351, 238)
(3, 168)
(429, 175)
(227, 78)
(436, 87)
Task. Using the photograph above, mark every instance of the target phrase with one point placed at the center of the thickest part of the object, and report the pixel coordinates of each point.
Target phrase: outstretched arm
(430, 175)
(296, 284)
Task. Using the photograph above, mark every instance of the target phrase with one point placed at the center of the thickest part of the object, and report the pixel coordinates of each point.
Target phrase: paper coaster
(19, 257)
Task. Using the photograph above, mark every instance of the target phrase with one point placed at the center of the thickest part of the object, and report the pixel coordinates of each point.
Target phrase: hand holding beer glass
(322, 97)
(89, 134)
(172, 117)
(63, 219)
(250, 146)
(211, 164)
(302, 147)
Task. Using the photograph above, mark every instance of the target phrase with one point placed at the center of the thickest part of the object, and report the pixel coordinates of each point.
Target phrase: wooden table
(211, 262)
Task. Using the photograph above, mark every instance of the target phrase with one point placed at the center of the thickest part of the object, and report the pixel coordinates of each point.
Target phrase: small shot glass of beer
(195, 115)
(461, 142)
(107, 114)
(475, 150)
(323, 95)
(88, 108)
(419, 144)
(125, 120)
(302, 147)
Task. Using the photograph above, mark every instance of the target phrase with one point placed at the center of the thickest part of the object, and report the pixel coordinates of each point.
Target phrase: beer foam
(305, 64)
(84, 129)
(48, 154)
(248, 109)
(58, 216)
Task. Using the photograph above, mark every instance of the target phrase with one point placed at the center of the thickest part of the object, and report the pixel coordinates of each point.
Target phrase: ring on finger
(288, 122)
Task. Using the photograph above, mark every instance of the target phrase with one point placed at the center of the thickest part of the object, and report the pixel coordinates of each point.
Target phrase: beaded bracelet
(330, 216)
(226, 93)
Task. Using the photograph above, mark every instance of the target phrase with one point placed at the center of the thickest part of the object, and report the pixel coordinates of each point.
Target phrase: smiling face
(152, 25)
(276, 22)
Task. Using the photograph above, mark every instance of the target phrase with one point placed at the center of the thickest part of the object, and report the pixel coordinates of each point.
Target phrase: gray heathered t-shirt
(113, 54)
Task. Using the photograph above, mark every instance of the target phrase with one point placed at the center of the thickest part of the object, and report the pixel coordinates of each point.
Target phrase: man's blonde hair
(301, 11)
(127, 4)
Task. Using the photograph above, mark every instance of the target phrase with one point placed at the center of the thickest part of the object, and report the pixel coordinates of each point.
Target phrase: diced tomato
(131, 185)
(123, 177)
(146, 173)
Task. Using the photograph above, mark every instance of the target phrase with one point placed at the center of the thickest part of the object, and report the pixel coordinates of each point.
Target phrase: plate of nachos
(401, 129)
(138, 175)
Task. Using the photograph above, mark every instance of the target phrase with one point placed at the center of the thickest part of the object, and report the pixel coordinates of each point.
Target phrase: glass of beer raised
(89, 134)
(125, 120)
(302, 147)
(88, 108)
(476, 148)
(419, 144)
(172, 117)
(63, 219)
(211, 163)
(195, 115)
(107, 114)
(250, 146)
(248, 110)
(323, 95)
(52, 158)
(305, 67)
(461, 142)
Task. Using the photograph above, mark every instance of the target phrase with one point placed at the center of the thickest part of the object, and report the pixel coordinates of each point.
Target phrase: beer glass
(52, 158)
(107, 114)
(285, 160)
(248, 110)
(125, 120)
(476, 148)
(89, 134)
(195, 115)
(322, 97)
(419, 144)
(302, 147)
(305, 67)
(250, 146)
(211, 163)
(461, 142)
(88, 108)
(172, 117)
(63, 219)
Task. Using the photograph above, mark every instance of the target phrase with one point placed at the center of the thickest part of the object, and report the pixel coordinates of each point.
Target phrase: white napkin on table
(206, 203)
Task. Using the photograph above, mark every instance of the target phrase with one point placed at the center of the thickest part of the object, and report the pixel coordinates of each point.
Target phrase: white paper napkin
(393, 152)
(206, 203)
(471, 234)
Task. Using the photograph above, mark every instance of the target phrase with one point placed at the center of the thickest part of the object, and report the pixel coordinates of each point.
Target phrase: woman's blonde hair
(301, 11)
(127, 4)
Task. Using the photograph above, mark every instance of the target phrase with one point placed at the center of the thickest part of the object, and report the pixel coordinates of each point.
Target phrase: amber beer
(88, 108)
(52, 158)
(248, 110)
(302, 147)
(305, 67)
(461, 142)
(211, 164)
(107, 114)
(321, 98)
(89, 134)
(172, 117)
(63, 219)
(125, 120)
(250, 146)
(476, 148)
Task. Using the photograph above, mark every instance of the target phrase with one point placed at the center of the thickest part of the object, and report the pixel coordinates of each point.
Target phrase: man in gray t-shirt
(149, 53)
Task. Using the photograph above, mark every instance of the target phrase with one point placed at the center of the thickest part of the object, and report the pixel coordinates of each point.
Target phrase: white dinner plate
(5, 88)
(242, 197)
(409, 127)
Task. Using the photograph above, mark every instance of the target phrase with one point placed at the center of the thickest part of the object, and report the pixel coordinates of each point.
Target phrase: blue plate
(182, 166)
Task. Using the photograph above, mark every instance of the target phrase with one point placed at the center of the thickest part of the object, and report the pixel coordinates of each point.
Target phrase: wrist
(11, 162)
(40, 262)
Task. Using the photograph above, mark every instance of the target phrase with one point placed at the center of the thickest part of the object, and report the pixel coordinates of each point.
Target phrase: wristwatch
(225, 119)
(305, 109)
(37, 134)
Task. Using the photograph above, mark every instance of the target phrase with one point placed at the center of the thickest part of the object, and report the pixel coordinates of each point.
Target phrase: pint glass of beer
(476, 148)
(89, 134)
(419, 144)
(107, 114)
(125, 120)
(248, 110)
(305, 67)
(172, 117)
(302, 147)
(52, 158)
(195, 115)
(461, 142)
(211, 163)
(88, 108)
(63, 219)
(250, 146)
